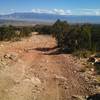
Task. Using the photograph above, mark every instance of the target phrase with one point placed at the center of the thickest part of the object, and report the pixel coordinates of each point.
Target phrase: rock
(1, 45)
(35, 33)
(60, 78)
(78, 97)
(91, 59)
(7, 56)
(75, 71)
(97, 59)
(12, 56)
(35, 81)
(92, 69)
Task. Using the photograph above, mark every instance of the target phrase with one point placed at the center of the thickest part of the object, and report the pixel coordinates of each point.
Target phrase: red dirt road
(33, 74)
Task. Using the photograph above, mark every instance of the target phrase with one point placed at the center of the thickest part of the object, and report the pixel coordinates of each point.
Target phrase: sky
(61, 7)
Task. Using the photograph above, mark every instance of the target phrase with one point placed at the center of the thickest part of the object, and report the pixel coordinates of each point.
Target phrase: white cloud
(83, 11)
(42, 11)
(59, 11)
(54, 11)
(62, 12)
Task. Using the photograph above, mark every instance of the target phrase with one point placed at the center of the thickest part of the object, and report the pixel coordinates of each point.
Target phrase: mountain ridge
(30, 16)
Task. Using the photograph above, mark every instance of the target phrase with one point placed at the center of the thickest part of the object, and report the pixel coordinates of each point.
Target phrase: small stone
(6, 56)
(12, 56)
(75, 71)
(78, 97)
(35, 81)
(91, 59)
(1, 45)
(92, 69)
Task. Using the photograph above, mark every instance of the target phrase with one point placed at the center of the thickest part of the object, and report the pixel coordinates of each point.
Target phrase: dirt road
(29, 71)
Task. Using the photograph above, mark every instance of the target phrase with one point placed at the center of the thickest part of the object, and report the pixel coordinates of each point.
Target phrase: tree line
(73, 37)
(69, 37)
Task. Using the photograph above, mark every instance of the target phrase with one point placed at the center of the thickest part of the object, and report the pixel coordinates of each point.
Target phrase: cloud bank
(69, 11)
(54, 11)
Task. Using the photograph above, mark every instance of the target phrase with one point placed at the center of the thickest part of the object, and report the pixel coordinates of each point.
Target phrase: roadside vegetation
(73, 37)
(69, 37)
(12, 33)
(79, 38)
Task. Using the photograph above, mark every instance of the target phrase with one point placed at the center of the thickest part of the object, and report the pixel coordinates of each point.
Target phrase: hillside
(15, 22)
(29, 70)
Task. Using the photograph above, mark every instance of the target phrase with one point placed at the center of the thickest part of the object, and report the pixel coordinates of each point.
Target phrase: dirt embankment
(29, 71)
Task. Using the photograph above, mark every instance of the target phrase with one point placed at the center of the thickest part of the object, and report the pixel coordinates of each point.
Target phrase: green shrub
(82, 53)
(8, 33)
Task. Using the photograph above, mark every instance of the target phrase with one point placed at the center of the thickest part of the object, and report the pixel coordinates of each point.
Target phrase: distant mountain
(50, 17)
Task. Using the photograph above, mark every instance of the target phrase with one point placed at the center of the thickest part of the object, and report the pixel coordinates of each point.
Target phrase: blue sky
(62, 7)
